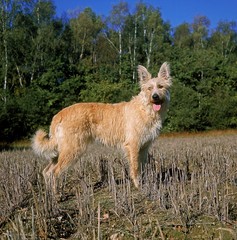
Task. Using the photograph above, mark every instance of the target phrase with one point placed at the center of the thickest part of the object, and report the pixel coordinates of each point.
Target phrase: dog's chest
(151, 131)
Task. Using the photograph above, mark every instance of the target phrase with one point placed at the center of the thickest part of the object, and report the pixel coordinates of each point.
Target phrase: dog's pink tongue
(156, 107)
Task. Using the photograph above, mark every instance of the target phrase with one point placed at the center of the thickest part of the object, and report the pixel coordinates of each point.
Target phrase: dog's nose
(155, 96)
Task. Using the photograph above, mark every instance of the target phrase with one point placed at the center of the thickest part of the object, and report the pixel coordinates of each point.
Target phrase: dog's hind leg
(49, 177)
(51, 203)
(56, 167)
(65, 160)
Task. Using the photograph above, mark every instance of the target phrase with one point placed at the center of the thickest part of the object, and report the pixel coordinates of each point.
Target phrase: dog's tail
(43, 145)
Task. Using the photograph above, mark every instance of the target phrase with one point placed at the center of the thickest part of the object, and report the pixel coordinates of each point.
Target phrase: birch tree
(85, 28)
(6, 7)
(131, 33)
(200, 31)
(224, 38)
(182, 36)
(117, 19)
(152, 30)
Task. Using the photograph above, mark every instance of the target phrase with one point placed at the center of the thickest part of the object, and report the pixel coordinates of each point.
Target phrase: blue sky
(174, 11)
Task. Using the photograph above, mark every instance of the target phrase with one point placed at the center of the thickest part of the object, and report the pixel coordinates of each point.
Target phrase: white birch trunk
(5, 80)
(5, 70)
(120, 52)
(134, 49)
(150, 49)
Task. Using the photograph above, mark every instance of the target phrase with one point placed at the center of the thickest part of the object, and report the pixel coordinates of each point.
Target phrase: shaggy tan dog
(131, 126)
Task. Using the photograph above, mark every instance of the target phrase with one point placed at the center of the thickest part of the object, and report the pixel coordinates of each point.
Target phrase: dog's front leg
(143, 157)
(133, 157)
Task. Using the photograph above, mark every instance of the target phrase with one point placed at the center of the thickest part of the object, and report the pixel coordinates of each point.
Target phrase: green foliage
(184, 109)
(11, 121)
(47, 63)
(106, 91)
(220, 109)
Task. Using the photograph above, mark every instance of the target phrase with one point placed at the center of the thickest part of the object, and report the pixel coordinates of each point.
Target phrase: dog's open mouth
(156, 107)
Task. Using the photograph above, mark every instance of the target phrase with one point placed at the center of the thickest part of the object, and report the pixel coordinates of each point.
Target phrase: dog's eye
(150, 88)
(160, 86)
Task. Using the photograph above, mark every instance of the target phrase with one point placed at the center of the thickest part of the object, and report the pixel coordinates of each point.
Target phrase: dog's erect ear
(143, 74)
(165, 72)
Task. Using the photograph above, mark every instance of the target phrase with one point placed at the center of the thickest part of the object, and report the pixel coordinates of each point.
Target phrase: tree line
(49, 62)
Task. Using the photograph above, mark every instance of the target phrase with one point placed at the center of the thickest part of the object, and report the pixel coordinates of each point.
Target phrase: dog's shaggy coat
(131, 126)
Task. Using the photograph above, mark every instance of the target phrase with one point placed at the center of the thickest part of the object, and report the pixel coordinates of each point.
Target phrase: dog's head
(155, 90)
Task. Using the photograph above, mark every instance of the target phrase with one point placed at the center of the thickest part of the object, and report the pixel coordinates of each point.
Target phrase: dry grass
(188, 191)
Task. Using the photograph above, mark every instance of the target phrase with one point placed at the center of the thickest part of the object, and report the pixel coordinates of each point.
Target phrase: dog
(132, 126)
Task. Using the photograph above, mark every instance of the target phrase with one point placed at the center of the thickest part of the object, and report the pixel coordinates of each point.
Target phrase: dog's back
(85, 122)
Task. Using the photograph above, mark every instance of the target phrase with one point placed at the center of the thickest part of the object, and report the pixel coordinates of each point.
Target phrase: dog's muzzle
(156, 99)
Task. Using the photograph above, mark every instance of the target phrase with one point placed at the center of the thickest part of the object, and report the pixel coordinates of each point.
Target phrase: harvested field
(188, 191)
